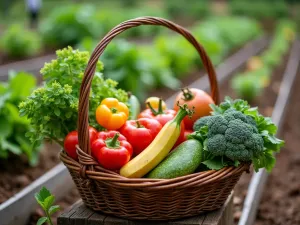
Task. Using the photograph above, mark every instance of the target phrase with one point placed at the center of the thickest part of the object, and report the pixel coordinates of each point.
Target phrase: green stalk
(183, 111)
(113, 142)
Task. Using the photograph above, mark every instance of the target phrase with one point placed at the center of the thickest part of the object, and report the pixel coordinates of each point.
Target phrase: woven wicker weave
(152, 199)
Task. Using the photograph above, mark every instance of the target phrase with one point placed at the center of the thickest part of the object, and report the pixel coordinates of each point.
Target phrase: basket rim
(97, 173)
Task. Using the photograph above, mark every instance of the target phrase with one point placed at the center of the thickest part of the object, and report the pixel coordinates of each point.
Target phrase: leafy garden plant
(45, 199)
(13, 127)
(53, 108)
(17, 42)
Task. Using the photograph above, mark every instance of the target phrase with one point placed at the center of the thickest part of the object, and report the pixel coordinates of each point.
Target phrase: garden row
(69, 24)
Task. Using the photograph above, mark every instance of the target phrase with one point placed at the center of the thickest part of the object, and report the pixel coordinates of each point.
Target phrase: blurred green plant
(67, 25)
(195, 9)
(13, 127)
(139, 68)
(250, 84)
(260, 9)
(17, 42)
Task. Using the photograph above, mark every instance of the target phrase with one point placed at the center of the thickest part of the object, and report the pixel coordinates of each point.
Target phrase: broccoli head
(232, 134)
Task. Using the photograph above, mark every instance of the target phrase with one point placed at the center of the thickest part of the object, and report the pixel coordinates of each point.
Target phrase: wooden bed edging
(28, 65)
(258, 180)
(17, 209)
(14, 212)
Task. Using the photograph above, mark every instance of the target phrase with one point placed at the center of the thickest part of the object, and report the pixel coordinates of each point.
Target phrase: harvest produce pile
(198, 134)
(250, 84)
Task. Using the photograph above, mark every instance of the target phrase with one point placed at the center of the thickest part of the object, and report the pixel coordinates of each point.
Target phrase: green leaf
(48, 202)
(21, 85)
(3, 99)
(214, 164)
(53, 209)
(11, 147)
(41, 196)
(57, 111)
(42, 220)
(6, 126)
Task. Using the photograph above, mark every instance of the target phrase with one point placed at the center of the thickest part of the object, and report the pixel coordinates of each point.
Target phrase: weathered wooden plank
(64, 218)
(110, 220)
(222, 215)
(96, 219)
(137, 222)
(259, 179)
(195, 220)
(81, 215)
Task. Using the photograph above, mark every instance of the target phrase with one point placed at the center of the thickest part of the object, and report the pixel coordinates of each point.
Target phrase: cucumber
(135, 107)
(183, 160)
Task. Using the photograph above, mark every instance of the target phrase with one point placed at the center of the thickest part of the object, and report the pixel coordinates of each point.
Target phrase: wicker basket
(151, 199)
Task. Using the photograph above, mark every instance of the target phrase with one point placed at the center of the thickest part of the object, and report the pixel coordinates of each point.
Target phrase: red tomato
(71, 140)
(163, 117)
(194, 98)
(111, 153)
(140, 133)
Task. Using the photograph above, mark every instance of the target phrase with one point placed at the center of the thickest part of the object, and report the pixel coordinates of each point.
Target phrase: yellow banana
(157, 150)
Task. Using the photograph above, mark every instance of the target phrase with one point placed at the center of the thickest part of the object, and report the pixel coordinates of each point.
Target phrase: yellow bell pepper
(112, 114)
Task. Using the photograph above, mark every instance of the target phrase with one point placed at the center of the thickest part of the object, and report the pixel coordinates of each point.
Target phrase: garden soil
(16, 174)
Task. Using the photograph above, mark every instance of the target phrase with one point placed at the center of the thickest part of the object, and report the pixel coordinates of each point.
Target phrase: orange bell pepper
(112, 114)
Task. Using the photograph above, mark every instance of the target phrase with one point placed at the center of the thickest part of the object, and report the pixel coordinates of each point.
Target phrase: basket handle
(83, 134)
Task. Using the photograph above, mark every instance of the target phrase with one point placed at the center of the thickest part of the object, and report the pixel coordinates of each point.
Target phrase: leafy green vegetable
(13, 127)
(45, 199)
(237, 133)
(53, 108)
(18, 42)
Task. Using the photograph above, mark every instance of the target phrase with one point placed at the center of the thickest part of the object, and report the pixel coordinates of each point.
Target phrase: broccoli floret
(201, 122)
(233, 135)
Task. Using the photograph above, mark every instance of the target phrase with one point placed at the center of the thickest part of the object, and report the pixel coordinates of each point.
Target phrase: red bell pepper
(140, 133)
(110, 134)
(112, 153)
(162, 116)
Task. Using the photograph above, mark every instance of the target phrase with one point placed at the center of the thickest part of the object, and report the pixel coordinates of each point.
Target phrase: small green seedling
(46, 200)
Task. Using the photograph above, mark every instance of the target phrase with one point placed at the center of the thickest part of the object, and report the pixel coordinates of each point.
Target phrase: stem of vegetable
(113, 142)
(160, 109)
(138, 124)
(113, 110)
(183, 111)
(187, 94)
